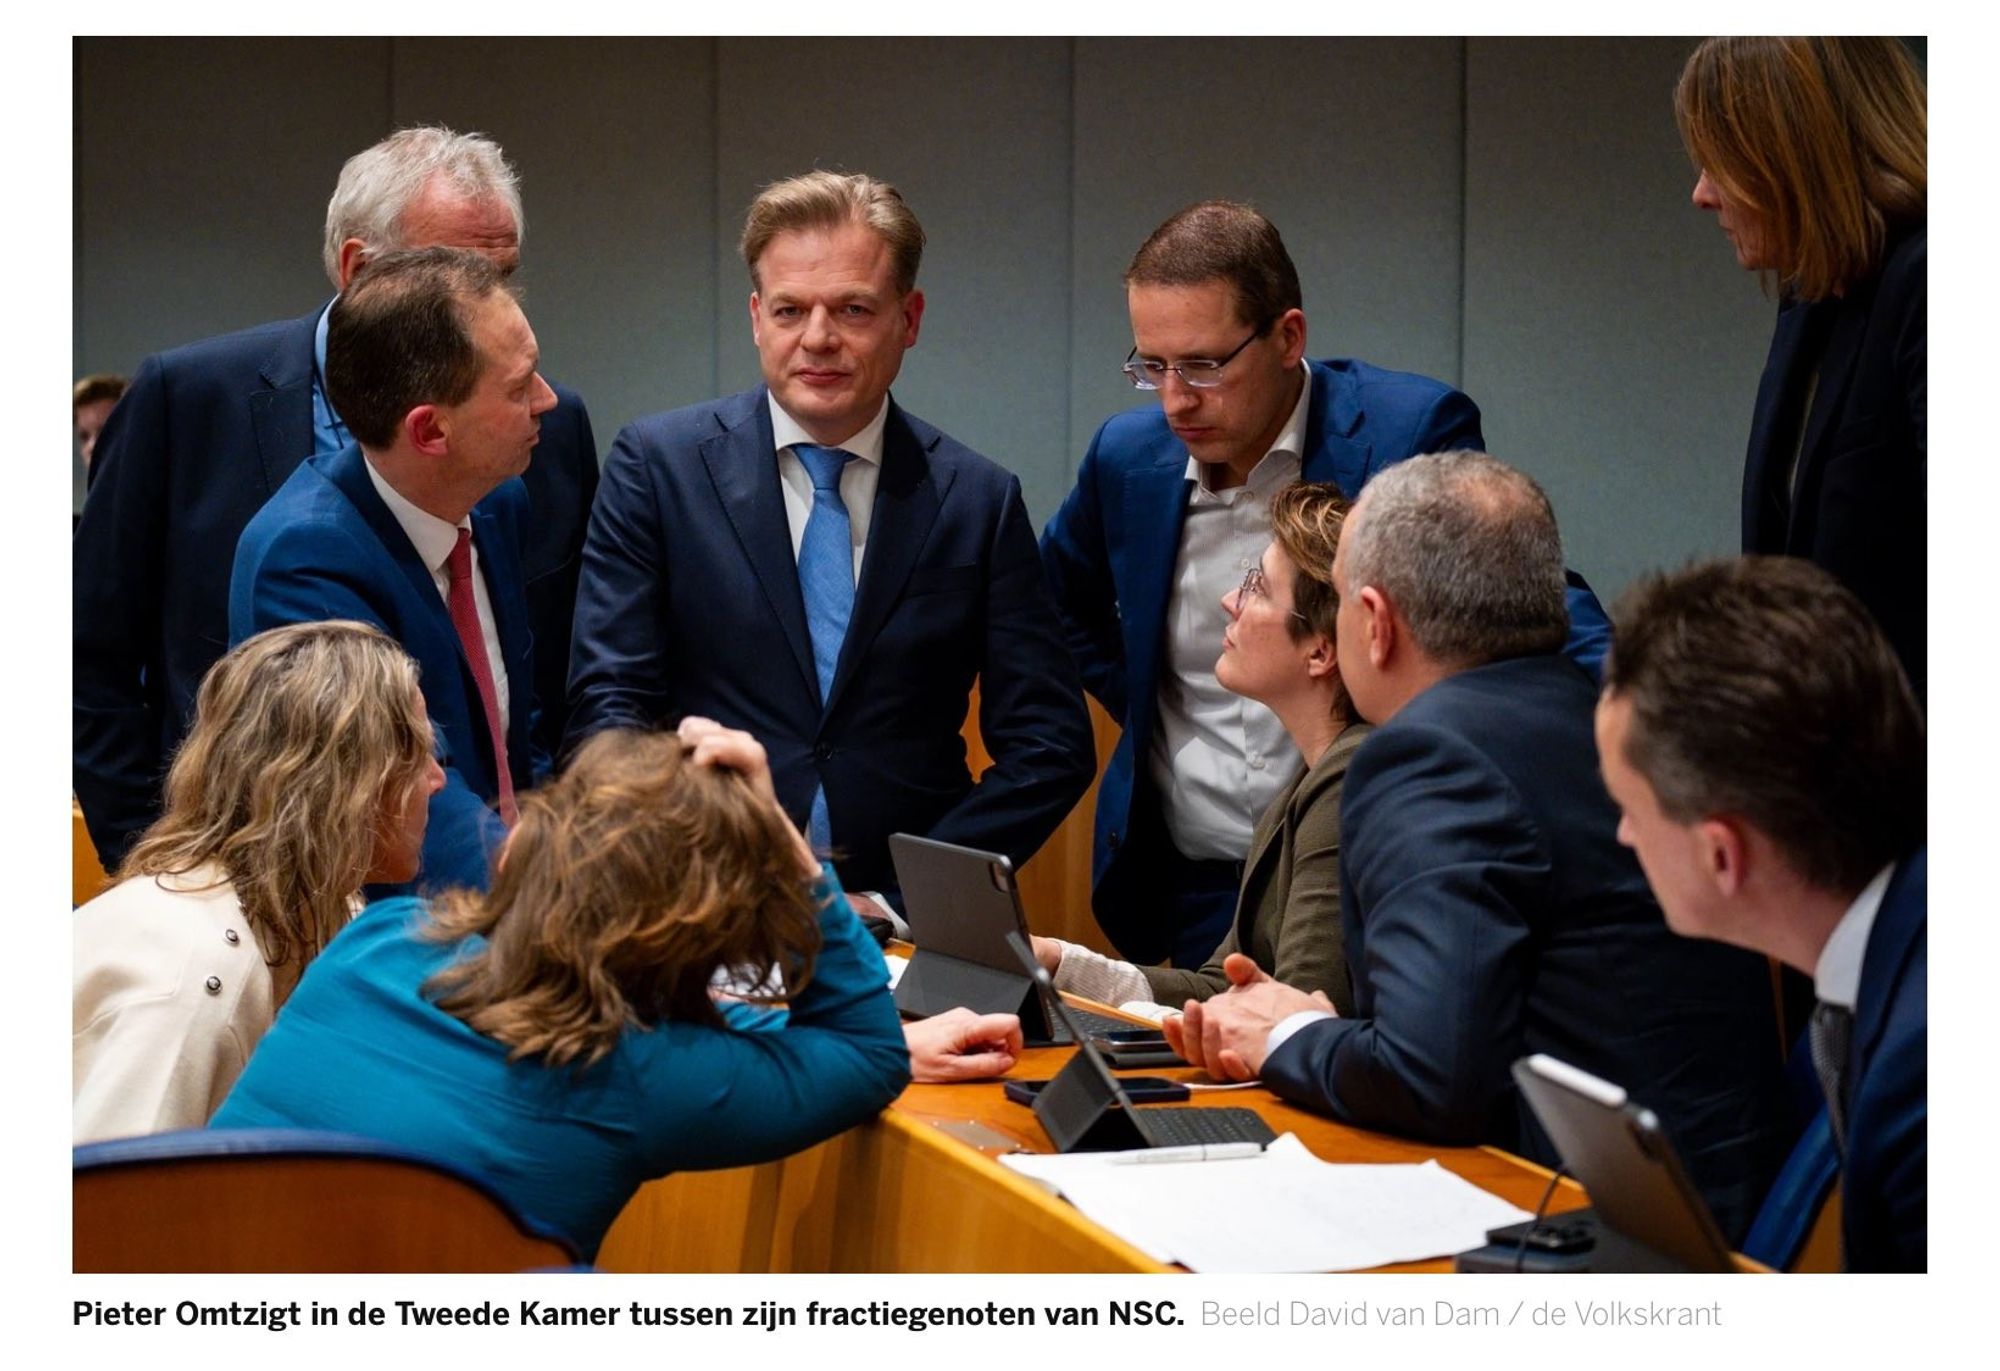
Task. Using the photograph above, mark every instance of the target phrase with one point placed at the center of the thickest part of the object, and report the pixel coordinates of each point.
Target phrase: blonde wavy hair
(627, 883)
(303, 736)
(1823, 140)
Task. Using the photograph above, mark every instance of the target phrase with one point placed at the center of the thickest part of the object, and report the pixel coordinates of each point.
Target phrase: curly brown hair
(303, 736)
(627, 884)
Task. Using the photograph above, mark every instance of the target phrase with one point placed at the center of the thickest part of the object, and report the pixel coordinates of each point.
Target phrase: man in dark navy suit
(415, 526)
(810, 563)
(1487, 908)
(209, 431)
(1768, 752)
(1169, 512)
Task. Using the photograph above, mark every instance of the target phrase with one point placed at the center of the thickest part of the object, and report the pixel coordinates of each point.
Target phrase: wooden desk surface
(901, 1194)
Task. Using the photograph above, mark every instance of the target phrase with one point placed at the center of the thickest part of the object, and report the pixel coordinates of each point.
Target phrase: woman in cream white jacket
(307, 775)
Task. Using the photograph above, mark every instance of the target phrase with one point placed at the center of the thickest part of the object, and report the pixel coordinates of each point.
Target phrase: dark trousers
(1200, 901)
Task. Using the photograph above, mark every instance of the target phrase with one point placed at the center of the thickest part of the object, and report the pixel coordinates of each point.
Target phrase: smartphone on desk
(1140, 1089)
(1129, 1047)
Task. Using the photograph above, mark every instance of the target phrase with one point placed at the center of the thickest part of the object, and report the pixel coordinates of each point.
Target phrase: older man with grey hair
(1487, 907)
(208, 431)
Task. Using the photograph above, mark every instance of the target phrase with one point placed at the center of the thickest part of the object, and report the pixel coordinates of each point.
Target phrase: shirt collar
(1837, 978)
(867, 444)
(1288, 448)
(319, 344)
(431, 536)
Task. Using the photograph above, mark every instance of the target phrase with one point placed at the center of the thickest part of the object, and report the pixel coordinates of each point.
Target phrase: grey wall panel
(975, 133)
(614, 140)
(1610, 338)
(1351, 146)
(202, 172)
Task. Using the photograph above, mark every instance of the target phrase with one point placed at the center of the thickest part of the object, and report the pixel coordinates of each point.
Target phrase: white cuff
(1290, 1025)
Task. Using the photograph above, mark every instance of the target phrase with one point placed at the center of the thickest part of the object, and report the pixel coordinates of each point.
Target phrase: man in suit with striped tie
(811, 563)
(1767, 750)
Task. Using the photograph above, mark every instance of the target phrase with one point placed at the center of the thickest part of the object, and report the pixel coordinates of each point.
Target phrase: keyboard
(1186, 1125)
(1091, 1022)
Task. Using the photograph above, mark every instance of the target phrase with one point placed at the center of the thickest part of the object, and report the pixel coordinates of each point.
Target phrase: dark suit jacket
(1490, 912)
(326, 547)
(1862, 475)
(690, 604)
(1111, 551)
(1288, 912)
(1884, 1187)
(203, 437)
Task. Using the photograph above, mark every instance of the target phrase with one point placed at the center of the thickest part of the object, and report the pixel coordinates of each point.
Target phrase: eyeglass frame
(1255, 583)
(1212, 366)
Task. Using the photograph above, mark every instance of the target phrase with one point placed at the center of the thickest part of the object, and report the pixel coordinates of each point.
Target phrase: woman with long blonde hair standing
(1811, 154)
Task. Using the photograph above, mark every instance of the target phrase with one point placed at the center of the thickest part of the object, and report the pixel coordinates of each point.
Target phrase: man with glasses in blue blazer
(1169, 512)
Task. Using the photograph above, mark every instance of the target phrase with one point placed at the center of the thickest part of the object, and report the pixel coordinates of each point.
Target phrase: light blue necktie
(826, 578)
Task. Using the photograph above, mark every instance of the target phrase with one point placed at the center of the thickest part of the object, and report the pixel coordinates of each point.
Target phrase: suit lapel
(499, 560)
(1332, 418)
(907, 499)
(348, 470)
(743, 466)
(1156, 499)
(1897, 924)
(281, 412)
(1836, 370)
(1762, 502)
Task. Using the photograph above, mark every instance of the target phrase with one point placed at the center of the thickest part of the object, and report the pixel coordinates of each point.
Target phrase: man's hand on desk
(1228, 1035)
(959, 1045)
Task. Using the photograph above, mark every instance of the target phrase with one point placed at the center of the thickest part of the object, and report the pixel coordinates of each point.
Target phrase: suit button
(1112, 842)
(213, 985)
(821, 752)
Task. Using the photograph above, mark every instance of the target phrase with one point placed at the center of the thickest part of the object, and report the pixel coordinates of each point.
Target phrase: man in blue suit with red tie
(1168, 514)
(208, 432)
(1767, 750)
(415, 526)
(811, 563)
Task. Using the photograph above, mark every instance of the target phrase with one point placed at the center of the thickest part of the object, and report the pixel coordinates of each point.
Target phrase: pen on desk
(1199, 1152)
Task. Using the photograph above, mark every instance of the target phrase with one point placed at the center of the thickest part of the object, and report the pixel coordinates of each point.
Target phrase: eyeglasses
(1203, 373)
(1253, 584)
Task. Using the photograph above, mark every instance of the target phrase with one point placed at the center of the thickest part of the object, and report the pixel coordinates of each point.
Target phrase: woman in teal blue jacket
(561, 1035)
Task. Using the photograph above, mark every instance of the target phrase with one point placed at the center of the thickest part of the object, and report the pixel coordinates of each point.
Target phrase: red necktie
(465, 618)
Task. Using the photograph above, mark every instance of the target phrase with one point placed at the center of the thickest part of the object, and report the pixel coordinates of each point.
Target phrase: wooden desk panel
(900, 1194)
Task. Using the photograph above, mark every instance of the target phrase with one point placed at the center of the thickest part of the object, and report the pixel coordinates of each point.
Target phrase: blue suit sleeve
(1441, 863)
(1031, 712)
(1450, 425)
(716, 1097)
(1078, 563)
(116, 615)
(618, 670)
(273, 584)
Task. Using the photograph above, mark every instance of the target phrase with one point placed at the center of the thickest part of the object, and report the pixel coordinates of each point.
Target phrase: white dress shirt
(1837, 978)
(857, 479)
(434, 539)
(1218, 760)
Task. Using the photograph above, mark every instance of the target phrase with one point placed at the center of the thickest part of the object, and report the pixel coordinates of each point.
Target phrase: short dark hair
(1222, 240)
(1759, 686)
(1467, 549)
(400, 336)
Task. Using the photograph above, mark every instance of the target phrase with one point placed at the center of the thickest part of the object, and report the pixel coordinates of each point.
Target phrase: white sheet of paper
(1285, 1211)
(896, 966)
